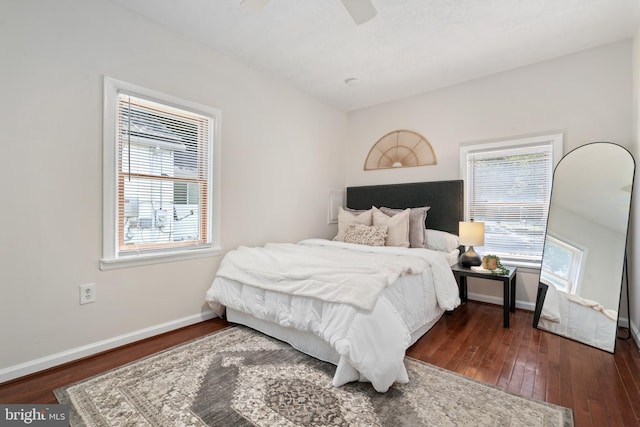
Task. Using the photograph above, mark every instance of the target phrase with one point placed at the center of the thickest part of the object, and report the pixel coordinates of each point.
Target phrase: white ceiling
(411, 46)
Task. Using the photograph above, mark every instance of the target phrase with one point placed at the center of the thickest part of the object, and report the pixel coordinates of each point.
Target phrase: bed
(578, 318)
(354, 305)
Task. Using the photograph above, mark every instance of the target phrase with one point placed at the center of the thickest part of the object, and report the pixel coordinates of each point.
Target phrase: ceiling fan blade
(360, 10)
(252, 5)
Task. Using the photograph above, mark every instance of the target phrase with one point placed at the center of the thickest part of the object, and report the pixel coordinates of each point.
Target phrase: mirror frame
(624, 281)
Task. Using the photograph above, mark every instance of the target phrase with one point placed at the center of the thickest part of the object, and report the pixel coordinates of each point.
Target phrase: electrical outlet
(161, 218)
(87, 293)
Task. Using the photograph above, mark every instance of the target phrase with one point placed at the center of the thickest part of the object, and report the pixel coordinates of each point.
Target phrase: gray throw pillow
(417, 227)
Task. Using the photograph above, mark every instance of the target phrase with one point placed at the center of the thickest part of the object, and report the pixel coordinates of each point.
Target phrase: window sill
(149, 259)
(528, 269)
(524, 267)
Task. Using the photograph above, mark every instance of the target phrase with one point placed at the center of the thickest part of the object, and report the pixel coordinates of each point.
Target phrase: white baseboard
(525, 305)
(33, 366)
(623, 322)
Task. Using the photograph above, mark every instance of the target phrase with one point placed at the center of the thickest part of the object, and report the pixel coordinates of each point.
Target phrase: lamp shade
(471, 233)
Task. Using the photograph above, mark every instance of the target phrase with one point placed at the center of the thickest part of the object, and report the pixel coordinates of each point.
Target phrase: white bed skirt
(307, 342)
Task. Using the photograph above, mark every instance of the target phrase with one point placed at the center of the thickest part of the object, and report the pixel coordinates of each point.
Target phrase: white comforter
(336, 298)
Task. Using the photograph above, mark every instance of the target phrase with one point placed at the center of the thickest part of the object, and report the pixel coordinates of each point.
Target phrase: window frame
(557, 141)
(111, 259)
(577, 266)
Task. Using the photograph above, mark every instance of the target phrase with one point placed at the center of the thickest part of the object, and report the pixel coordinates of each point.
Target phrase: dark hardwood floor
(602, 389)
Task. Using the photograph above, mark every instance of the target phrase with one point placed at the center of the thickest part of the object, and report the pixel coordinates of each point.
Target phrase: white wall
(587, 96)
(634, 238)
(604, 255)
(281, 156)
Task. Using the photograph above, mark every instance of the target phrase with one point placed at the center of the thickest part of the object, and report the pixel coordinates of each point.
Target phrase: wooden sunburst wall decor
(400, 149)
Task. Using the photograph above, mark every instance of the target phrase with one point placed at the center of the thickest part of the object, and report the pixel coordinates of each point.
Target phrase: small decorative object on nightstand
(492, 263)
(471, 234)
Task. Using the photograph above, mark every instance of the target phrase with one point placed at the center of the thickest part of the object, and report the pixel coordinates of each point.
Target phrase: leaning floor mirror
(583, 262)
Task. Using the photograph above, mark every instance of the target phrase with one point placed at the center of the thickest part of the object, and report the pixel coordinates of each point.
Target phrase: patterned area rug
(239, 377)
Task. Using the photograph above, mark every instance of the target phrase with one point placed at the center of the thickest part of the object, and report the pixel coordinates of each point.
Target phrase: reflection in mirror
(584, 251)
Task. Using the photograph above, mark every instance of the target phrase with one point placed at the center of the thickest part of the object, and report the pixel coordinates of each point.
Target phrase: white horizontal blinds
(509, 190)
(163, 172)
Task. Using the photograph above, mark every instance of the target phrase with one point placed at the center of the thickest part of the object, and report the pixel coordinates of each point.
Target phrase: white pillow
(345, 218)
(441, 240)
(397, 227)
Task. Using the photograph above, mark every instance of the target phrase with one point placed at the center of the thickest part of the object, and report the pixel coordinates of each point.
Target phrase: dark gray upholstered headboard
(444, 197)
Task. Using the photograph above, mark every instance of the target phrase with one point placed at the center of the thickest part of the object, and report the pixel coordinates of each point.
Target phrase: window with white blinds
(508, 187)
(162, 174)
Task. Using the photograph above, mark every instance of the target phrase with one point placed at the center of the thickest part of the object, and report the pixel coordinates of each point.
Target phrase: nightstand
(508, 283)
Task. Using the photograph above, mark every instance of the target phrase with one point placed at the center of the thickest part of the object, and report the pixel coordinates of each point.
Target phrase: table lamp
(471, 234)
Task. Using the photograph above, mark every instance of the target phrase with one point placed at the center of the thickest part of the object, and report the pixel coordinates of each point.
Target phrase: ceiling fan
(361, 11)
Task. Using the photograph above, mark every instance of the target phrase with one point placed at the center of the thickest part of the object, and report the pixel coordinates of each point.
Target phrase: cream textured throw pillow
(397, 227)
(372, 235)
(345, 218)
